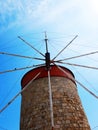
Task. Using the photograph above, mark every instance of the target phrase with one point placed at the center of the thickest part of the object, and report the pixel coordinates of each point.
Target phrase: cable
(86, 80)
(68, 76)
(94, 127)
(3, 128)
(10, 102)
(7, 43)
(65, 47)
(9, 92)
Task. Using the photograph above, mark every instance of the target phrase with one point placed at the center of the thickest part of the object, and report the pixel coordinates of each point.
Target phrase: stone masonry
(67, 108)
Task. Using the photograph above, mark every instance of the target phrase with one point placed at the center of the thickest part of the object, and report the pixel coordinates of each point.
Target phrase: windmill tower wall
(67, 108)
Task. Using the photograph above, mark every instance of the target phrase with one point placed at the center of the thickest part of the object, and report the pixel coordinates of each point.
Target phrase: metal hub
(47, 59)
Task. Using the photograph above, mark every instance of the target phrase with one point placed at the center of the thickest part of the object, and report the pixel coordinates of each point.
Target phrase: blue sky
(62, 19)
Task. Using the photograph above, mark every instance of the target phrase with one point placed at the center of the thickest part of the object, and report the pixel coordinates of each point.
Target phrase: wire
(11, 89)
(7, 44)
(3, 128)
(86, 80)
(68, 76)
(65, 47)
(10, 102)
(30, 34)
(94, 127)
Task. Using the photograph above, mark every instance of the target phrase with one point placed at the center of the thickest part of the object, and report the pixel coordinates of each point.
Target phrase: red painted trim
(54, 71)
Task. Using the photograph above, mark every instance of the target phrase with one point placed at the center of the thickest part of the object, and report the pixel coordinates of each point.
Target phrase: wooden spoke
(50, 98)
(72, 64)
(21, 56)
(31, 46)
(79, 56)
(16, 69)
(11, 101)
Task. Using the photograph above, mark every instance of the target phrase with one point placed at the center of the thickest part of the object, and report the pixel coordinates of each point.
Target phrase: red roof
(54, 71)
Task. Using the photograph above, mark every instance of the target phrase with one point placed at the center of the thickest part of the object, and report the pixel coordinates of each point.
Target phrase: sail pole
(50, 98)
(46, 39)
(47, 56)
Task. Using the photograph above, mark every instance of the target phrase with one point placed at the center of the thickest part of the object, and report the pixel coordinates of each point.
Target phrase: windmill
(48, 63)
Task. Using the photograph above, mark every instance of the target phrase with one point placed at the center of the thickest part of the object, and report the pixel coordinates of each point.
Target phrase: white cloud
(62, 14)
(89, 12)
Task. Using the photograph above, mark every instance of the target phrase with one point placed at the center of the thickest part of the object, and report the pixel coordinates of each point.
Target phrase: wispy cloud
(16, 12)
(35, 13)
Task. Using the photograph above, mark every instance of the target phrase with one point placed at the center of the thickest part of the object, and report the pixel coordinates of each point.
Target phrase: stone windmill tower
(50, 100)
